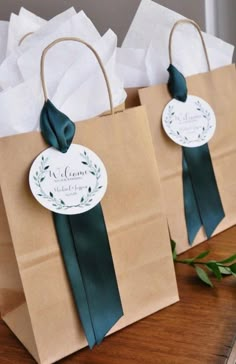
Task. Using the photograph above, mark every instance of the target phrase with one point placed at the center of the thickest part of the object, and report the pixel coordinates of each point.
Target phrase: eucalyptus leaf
(189, 261)
(203, 276)
(233, 268)
(203, 255)
(200, 256)
(228, 260)
(218, 268)
(173, 247)
(225, 270)
(215, 269)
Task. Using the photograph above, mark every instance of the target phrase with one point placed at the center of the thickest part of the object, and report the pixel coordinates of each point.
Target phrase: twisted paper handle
(24, 37)
(74, 39)
(192, 22)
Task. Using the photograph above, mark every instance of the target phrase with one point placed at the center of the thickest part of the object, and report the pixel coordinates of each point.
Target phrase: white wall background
(226, 20)
(220, 19)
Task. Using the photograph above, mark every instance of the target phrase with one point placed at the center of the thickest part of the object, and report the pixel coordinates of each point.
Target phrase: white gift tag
(191, 123)
(70, 183)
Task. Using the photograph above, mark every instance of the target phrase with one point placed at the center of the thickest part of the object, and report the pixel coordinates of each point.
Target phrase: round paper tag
(70, 183)
(191, 123)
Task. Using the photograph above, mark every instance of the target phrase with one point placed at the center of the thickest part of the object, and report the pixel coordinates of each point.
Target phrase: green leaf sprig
(219, 268)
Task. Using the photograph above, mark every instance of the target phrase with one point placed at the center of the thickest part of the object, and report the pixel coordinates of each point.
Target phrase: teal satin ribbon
(202, 202)
(85, 247)
(57, 129)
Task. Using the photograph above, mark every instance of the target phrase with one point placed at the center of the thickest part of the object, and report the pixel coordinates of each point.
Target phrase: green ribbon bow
(85, 246)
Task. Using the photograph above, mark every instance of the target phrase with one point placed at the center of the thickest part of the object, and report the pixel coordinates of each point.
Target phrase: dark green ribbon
(85, 247)
(57, 129)
(202, 202)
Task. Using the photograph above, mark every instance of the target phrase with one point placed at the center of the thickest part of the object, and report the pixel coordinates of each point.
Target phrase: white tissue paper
(3, 39)
(150, 31)
(20, 25)
(75, 83)
(49, 28)
(88, 95)
(63, 55)
(20, 107)
(10, 74)
(131, 66)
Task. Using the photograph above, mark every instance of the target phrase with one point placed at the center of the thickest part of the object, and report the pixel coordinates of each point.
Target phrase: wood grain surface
(200, 329)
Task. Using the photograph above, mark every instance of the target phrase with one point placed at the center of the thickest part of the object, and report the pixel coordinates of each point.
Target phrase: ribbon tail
(97, 269)
(67, 247)
(205, 187)
(192, 214)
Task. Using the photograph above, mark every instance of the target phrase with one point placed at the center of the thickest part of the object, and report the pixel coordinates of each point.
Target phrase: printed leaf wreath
(169, 119)
(59, 204)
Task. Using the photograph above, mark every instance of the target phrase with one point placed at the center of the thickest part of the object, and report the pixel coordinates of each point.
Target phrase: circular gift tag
(191, 123)
(70, 183)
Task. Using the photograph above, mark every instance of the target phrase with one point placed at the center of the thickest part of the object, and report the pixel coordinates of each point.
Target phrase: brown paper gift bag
(35, 296)
(132, 99)
(218, 88)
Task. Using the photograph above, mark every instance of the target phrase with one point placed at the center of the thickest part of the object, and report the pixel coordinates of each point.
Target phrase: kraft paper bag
(36, 298)
(132, 99)
(218, 88)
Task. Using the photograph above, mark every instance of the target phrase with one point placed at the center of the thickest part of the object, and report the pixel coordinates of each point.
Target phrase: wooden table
(200, 329)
